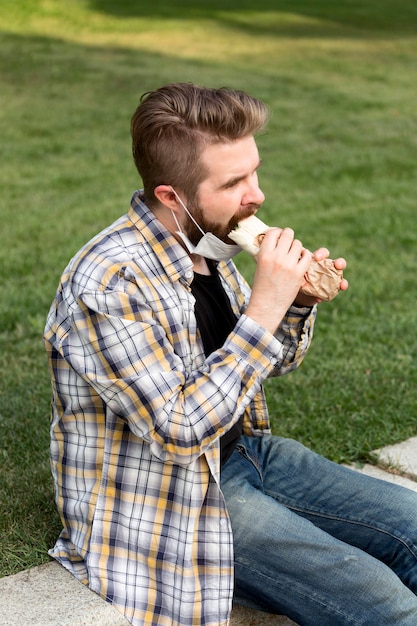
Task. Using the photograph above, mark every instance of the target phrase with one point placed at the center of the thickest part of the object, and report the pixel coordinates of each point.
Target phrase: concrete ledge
(400, 456)
(397, 479)
(49, 595)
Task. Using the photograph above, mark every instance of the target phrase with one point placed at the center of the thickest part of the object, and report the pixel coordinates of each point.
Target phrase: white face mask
(209, 246)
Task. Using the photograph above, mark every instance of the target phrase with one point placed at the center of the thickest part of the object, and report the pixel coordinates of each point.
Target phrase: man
(173, 495)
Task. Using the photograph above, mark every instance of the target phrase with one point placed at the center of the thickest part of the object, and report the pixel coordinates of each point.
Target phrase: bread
(249, 233)
(322, 280)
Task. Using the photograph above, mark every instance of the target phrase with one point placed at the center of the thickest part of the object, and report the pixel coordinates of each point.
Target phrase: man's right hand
(281, 264)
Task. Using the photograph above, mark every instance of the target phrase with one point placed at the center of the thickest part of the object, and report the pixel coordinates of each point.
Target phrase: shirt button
(274, 360)
(188, 274)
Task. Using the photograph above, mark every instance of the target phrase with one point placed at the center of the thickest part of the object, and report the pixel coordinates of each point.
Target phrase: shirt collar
(171, 254)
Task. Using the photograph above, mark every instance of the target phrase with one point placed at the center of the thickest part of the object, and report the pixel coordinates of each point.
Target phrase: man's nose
(254, 195)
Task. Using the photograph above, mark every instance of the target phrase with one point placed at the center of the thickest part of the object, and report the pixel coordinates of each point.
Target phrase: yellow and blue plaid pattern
(137, 413)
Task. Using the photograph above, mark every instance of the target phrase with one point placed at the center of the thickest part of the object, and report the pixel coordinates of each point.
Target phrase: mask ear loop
(176, 221)
(187, 211)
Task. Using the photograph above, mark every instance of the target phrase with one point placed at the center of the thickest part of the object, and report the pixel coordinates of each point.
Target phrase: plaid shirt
(137, 413)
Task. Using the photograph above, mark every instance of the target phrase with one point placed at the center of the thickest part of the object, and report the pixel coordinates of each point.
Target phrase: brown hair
(173, 124)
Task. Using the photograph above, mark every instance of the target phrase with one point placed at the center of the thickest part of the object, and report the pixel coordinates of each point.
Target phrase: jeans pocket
(250, 455)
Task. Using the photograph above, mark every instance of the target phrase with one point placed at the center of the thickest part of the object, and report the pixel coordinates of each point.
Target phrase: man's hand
(340, 264)
(281, 264)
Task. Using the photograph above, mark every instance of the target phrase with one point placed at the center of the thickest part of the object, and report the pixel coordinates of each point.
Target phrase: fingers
(273, 236)
(340, 264)
(344, 284)
(321, 254)
(282, 242)
(282, 239)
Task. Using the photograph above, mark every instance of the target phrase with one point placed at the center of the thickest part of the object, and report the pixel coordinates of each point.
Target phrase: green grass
(339, 167)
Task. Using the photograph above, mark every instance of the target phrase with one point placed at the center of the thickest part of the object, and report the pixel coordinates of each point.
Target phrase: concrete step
(401, 456)
(48, 595)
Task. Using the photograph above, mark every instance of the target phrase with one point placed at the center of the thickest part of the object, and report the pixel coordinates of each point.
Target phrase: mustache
(247, 211)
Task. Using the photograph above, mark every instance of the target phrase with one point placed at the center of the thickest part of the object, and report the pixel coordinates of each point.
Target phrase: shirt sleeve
(295, 334)
(295, 331)
(117, 345)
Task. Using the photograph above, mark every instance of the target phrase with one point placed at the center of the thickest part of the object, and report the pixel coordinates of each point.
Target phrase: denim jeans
(318, 542)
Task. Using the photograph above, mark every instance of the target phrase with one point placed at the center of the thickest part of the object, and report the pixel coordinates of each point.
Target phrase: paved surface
(50, 596)
(402, 456)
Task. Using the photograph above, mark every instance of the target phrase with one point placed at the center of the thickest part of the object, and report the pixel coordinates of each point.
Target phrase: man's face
(230, 192)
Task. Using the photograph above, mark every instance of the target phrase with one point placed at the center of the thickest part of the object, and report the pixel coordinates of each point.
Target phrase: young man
(173, 495)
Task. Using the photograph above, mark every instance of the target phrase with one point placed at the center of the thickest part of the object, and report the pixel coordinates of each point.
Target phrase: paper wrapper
(323, 280)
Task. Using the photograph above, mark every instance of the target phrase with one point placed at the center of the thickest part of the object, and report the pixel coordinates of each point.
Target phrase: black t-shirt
(215, 320)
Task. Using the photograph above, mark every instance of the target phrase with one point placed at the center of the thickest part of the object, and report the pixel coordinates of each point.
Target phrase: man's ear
(166, 196)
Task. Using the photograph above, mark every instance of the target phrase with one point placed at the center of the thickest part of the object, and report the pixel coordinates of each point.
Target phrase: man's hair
(173, 124)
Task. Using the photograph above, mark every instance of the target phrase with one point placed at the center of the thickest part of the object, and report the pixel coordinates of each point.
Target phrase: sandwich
(322, 280)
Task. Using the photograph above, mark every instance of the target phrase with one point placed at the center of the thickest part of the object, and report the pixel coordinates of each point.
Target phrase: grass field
(339, 167)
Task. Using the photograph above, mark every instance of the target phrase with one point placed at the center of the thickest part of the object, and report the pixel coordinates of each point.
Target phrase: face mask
(209, 246)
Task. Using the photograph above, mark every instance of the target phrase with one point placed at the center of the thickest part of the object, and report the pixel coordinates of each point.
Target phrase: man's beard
(194, 234)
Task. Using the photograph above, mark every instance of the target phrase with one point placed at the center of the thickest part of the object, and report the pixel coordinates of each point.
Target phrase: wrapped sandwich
(322, 279)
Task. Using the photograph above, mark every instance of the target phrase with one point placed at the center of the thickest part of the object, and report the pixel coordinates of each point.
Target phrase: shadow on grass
(320, 17)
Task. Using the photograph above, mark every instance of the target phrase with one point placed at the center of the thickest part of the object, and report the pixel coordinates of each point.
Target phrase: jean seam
(405, 543)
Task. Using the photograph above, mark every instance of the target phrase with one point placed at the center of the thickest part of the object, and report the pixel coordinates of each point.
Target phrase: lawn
(339, 166)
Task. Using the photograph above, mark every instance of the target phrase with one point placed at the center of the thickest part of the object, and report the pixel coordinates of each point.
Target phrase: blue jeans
(318, 542)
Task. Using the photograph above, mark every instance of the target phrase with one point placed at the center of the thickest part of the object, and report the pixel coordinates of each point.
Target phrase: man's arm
(116, 344)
